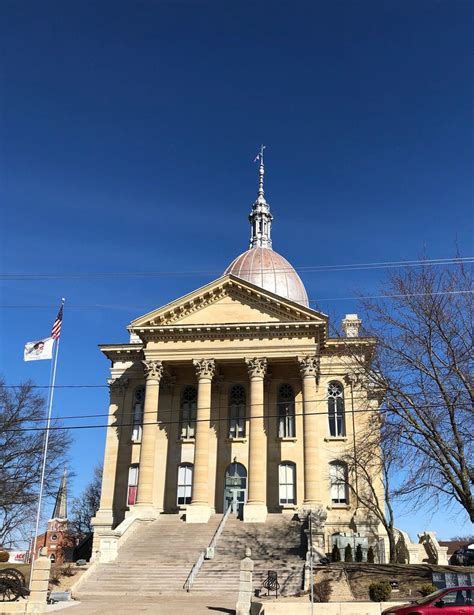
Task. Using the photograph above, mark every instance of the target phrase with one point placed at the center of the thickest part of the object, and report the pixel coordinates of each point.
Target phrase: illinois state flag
(39, 350)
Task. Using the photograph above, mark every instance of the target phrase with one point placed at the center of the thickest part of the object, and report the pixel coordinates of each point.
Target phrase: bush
(380, 592)
(68, 570)
(427, 589)
(322, 591)
(370, 555)
(4, 556)
(55, 574)
(348, 553)
(359, 554)
(335, 554)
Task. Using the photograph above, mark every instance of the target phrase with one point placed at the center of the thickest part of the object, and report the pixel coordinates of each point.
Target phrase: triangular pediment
(228, 301)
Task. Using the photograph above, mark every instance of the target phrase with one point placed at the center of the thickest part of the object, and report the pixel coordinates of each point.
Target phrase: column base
(196, 513)
(144, 512)
(255, 513)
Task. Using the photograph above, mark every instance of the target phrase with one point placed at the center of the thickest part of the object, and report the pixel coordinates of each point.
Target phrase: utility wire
(306, 269)
(130, 411)
(179, 422)
(220, 303)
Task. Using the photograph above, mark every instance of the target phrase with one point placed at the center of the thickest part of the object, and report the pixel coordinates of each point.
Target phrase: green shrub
(335, 554)
(427, 589)
(4, 556)
(370, 555)
(322, 591)
(380, 592)
(359, 554)
(348, 554)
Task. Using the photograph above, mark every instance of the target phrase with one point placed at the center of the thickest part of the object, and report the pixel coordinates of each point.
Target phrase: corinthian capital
(205, 368)
(117, 386)
(257, 368)
(309, 366)
(153, 370)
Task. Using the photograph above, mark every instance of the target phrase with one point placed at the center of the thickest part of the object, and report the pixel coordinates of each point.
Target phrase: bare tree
(21, 451)
(86, 505)
(422, 362)
(371, 464)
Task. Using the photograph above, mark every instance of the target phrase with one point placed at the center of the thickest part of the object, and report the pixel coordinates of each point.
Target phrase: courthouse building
(236, 395)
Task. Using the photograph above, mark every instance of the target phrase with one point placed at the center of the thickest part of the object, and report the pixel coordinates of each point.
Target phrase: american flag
(56, 330)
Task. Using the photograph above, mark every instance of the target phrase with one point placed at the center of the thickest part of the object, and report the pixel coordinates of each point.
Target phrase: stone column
(255, 510)
(104, 518)
(200, 509)
(312, 433)
(144, 508)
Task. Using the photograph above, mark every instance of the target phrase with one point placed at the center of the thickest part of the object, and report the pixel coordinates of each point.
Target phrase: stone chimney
(351, 325)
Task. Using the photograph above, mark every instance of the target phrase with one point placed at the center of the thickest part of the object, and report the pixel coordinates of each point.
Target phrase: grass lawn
(410, 577)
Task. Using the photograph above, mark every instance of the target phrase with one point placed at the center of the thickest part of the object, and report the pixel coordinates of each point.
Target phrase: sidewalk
(190, 604)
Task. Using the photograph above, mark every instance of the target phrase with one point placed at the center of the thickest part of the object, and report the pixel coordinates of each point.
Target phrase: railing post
(245, 585)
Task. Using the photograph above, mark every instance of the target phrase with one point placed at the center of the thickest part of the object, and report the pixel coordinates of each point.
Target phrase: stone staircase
(158, 557)
(275, 545)
(155, 560)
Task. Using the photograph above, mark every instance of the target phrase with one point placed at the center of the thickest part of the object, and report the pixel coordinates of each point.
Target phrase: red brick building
(57, 540)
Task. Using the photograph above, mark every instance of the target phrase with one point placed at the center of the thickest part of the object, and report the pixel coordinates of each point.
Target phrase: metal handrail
(200, 560)
(220, 527)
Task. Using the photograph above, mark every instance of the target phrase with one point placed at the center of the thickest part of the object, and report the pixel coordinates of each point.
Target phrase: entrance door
(235, 489)
(235, 498)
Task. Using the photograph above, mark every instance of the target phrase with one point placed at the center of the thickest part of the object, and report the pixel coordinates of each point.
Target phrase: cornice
(237, 331)
(124, 352)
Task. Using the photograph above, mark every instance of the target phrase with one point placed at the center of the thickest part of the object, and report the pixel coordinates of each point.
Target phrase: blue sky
(128, 131)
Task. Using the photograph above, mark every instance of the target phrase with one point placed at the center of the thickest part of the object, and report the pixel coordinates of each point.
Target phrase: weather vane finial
(261, 170)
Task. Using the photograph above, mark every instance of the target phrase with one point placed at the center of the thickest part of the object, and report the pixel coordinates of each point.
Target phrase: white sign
(17, 557)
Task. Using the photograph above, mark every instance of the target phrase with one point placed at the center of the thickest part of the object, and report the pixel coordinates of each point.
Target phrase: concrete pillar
(144, 507)
(200, 509)
(40, 581)
(245, 585)
(255, 510)
(104, 518)
(312, 433)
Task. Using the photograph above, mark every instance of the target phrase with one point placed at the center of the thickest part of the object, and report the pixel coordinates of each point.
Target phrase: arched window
(185, 484)
(337, 425)
(188, 412)
(137, 415)
(287, 482)
(132, 484)
(286, 411)
(338, 481)
(237, 401)
(52, 557)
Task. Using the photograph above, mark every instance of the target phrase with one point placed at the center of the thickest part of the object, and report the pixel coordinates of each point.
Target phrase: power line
(143, 413)
(179, 422)
(220, 303)
(306, 269)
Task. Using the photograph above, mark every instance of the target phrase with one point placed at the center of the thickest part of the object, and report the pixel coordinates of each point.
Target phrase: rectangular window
(337, 474)
(287, 483)
(286, 425)
(185, 484)
(137, 422)
(237, 421)
(132, 485)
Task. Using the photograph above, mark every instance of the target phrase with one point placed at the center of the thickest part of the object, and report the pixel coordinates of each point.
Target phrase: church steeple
(60, 507)
(260, 217)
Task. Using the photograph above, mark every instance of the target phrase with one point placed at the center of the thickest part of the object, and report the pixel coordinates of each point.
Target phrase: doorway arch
(235, 488)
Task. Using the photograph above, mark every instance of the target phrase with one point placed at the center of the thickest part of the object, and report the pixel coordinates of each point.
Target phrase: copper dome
(266, 268)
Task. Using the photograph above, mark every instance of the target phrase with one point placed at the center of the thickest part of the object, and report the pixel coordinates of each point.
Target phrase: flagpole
(52, 382)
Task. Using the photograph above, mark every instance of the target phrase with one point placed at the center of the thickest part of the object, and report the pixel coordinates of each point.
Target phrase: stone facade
(229, 333)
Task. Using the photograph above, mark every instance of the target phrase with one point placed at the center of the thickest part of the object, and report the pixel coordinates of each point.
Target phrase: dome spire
(260, 217)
